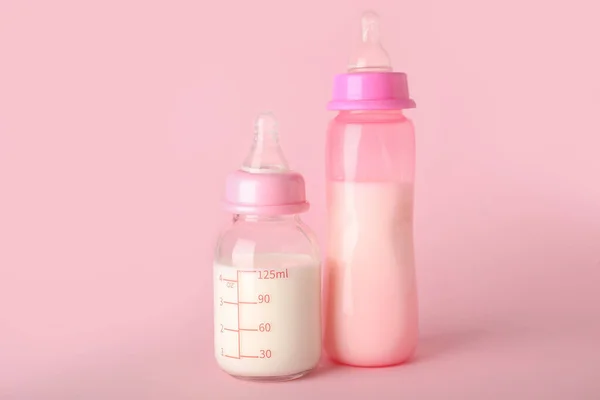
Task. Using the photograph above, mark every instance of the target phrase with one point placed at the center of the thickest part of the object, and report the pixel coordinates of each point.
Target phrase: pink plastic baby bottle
(370, 286)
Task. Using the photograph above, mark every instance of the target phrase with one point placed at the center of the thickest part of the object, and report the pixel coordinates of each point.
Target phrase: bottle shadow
(440, 344)
(326, 367)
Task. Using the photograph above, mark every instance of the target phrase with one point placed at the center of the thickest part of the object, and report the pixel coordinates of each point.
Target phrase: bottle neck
(250, 218)
(392, 112)
(371, 116)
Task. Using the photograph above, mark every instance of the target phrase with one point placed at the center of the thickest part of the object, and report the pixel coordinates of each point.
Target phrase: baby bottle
(267, 270)
(371, 299)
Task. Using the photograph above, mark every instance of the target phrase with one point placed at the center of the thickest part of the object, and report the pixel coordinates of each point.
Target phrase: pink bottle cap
(370, 83)
(265, 185)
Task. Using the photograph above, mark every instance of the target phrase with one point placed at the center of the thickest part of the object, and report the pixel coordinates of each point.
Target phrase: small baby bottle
(267, 270)
(370, 287)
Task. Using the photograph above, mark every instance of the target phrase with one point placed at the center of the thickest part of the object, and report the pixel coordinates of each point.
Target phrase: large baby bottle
(371, 297)
(267, 273)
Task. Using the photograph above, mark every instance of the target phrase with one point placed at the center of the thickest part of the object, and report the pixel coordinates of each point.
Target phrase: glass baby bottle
(371, 317)
(267, 270)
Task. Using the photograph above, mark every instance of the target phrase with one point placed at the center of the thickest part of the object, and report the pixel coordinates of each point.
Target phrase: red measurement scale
(231, 298)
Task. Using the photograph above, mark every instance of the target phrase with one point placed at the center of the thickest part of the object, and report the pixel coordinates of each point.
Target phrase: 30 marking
(265, 354)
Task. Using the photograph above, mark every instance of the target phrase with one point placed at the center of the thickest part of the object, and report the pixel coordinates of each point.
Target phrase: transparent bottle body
(267, 289)
(371, 311)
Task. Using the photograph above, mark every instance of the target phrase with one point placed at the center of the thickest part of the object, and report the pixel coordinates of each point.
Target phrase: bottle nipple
(266, 154)
(370, 56)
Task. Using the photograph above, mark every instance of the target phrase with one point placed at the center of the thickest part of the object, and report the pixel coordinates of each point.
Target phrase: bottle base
(370, 365)
(380, 362)
(274, 379)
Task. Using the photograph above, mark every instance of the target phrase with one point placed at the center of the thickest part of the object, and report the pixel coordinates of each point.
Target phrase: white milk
(268, 316)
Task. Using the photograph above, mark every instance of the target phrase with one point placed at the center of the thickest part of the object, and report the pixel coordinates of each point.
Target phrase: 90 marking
(264, 298)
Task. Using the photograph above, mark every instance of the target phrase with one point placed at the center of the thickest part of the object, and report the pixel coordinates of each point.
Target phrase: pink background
(120, 119)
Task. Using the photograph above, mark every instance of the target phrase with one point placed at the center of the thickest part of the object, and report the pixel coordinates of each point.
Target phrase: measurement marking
(249, 357)
(229, 280)
(273, 274)
(249, 272)
(225, 355)
(237, 287)
(230, 302)
(248, 302)
(230, 330)
(249, 330)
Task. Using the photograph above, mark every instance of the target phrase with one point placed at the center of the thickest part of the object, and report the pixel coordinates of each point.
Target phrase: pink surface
(120, 120)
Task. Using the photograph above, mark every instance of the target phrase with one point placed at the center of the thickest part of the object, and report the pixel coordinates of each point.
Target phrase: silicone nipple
(370, 56)
(266, 154)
